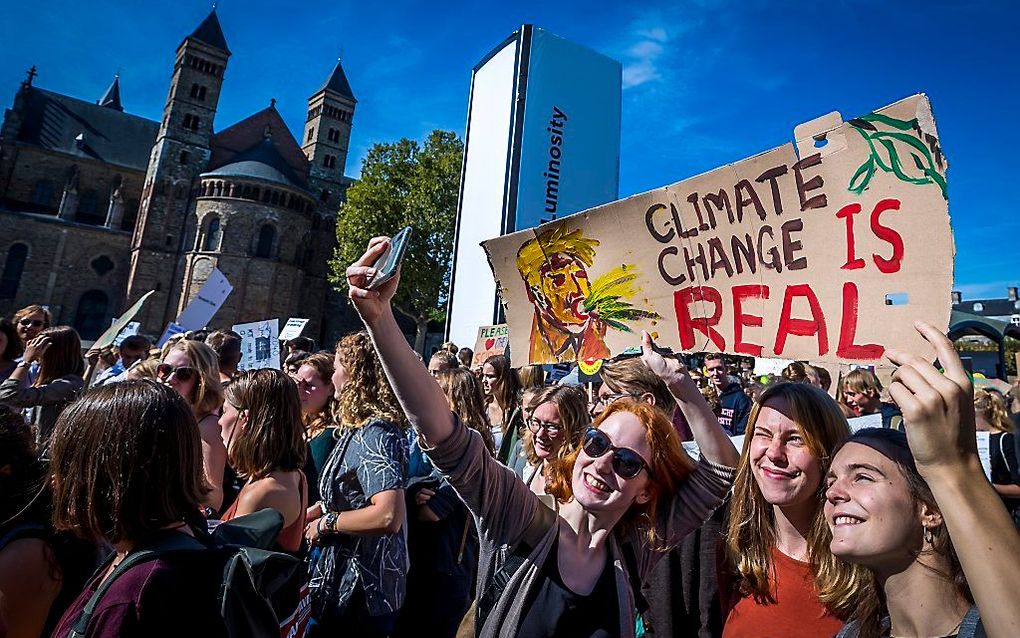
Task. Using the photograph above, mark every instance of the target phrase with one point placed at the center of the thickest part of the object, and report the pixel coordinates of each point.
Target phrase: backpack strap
(541, 522)
(159, 547)
(1002, 452)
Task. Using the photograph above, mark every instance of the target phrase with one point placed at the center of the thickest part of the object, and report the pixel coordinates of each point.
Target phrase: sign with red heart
(491, 340)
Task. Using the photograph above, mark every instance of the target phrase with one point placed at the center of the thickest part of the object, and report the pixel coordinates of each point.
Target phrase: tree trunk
(419, 337)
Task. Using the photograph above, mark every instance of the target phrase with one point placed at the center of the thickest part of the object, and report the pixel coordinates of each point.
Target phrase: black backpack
(263, 593)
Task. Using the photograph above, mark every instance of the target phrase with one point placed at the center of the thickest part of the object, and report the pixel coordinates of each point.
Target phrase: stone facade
(92, 219)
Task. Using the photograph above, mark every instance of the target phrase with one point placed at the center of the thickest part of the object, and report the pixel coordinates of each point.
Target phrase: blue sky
(706, 82)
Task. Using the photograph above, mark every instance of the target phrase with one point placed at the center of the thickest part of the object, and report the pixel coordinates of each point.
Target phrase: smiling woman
(778, 541)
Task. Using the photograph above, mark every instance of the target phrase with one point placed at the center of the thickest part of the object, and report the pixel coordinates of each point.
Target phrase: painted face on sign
(563, 287)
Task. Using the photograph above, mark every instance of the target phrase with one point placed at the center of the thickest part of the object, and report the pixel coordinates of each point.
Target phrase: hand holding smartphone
(389, 262)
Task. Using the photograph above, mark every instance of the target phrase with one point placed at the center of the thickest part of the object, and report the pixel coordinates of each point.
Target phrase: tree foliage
(406, 184)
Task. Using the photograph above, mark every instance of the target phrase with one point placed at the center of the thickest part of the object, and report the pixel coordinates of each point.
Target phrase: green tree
(406, 184)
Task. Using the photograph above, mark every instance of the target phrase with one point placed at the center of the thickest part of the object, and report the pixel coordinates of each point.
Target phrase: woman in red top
(264, 437)
(778, 541)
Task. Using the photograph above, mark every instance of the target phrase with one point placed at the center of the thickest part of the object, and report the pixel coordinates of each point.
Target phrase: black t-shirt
(555, 610)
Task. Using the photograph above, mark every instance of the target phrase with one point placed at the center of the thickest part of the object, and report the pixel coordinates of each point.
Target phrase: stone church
(99, 206)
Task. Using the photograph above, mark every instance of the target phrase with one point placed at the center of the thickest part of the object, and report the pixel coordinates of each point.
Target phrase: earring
(929, 536)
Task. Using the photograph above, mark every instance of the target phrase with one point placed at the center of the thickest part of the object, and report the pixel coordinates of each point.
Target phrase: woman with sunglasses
(629, 485)
(261, 424)
(557, 418)
(57, 351)
(192, 369)
(917, 512)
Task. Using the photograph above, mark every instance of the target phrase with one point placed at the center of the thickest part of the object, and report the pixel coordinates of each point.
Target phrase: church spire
(111, 98)
(337, 82)
(209, 32)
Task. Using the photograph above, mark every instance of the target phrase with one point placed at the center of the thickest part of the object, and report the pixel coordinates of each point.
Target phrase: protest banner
(172, 328)
(293, 328)
(129, 331)
(115, 328)
(210, 297)
(826, 250)
(866, 421)
(260, 344)
(490, 340)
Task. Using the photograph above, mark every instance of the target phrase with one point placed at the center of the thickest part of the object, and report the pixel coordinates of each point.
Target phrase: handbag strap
(1002, 451)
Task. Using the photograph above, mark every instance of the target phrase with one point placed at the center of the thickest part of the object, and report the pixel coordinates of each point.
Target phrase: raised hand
(36, 347)
(938, 409)
(370, 303)
(671, 370)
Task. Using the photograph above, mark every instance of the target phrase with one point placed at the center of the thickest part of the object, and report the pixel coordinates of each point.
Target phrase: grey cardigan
(503, 507)
(46, 401)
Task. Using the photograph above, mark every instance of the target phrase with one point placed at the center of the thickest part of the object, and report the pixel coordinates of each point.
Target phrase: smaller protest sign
(293, 328)
(770, 366)
(210, 297)
(117, 326)
(172, 329)
(491, 340)
(260, 344)
(984, 452)
(866, 421)
(129, 330)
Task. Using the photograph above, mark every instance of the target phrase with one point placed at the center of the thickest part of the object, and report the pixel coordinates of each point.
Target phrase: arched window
(42, 193)
(212, 235)
(91, 319)
(88, 203)
(267, 237)
(13, 267)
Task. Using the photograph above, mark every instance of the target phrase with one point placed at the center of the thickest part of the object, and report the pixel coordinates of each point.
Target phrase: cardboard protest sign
(172, 328)
(260, 344)
(490, 340)
(210, 297)
(826, 250)
(129, 330)
(293, 328)
(117, 326)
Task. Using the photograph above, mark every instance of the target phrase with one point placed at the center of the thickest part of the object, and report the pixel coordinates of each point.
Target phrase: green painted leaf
(903, 125)
(859, 182)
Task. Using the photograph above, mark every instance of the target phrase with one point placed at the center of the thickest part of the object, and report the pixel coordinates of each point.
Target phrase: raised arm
(711, 438)
(939, 409)
(419, 395)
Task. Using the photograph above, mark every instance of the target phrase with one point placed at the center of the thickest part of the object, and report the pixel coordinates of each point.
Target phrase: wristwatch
(331, 522)
(23, 364)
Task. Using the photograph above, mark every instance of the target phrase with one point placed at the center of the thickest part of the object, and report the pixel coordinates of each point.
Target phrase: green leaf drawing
(607, 296)
(887, 147)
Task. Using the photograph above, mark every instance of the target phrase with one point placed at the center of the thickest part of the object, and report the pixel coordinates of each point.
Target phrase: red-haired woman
(628, 492)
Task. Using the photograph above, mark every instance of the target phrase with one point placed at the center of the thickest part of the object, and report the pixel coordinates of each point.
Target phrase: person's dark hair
(21, 483)
(136, 343)
(301, 343)
(715, 356)
(197, 335)
(507, 387)
(62, 356)
(296, 359)
(14, 347)
(465, 355)
(823, 377)
(227, 345)
(273, 436)
(796, 372)
(126, 462)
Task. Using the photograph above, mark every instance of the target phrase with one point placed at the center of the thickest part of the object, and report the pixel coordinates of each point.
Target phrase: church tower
(328, 134)
(180, 154)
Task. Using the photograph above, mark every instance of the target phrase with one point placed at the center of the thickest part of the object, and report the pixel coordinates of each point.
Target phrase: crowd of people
(448, 497)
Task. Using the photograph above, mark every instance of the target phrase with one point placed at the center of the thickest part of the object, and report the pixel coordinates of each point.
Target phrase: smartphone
(388, 263)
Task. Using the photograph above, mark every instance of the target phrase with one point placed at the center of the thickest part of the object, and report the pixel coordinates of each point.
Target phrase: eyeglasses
(31, 323)
(552, 429)
(626, 462)
(182, 373)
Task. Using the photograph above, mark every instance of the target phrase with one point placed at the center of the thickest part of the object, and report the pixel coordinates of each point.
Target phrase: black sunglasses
(183, 373)
(626, 462)
(32, 323)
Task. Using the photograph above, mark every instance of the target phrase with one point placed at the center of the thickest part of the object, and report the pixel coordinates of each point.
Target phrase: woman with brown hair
(192, 369)
(941, 553)
(502, 388)
(557, 419)
(628, 492)
(126, 469)
(313, 377)
(61, 366)
(991, 416)
(265, 443)
(780, 571)
(358, 581)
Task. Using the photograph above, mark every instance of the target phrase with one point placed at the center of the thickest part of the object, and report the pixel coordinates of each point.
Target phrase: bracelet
(331, 518)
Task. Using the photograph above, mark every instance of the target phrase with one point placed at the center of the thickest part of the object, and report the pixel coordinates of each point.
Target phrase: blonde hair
(207, 395)
(464, 394)
(556, 240)
(864, 381)
(572, 405)
(751, 533)
(367, 395)
(992, 407)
